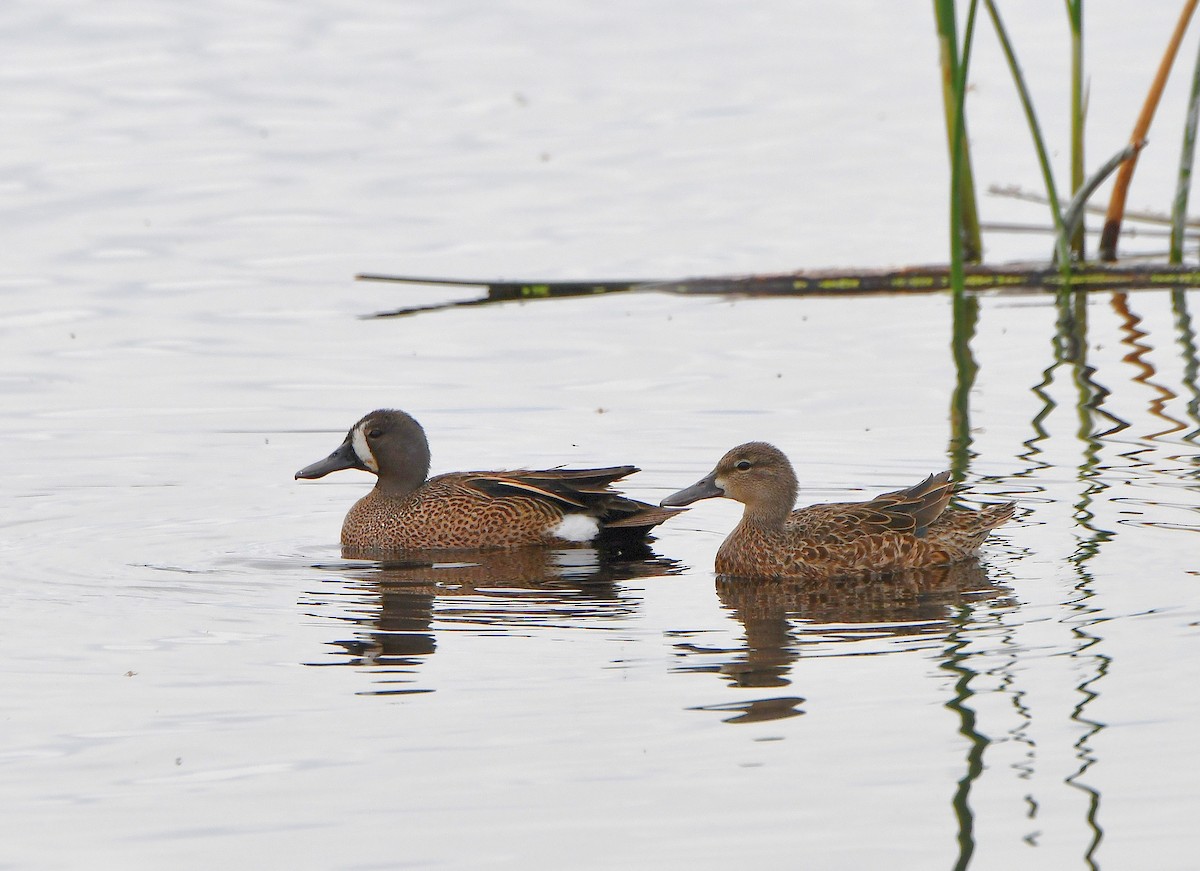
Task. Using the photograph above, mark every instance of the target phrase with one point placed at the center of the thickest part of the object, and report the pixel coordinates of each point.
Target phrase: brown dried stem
(1120, 191)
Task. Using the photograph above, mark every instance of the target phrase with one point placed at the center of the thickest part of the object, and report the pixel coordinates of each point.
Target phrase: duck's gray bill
(343, 458)
(705, 488)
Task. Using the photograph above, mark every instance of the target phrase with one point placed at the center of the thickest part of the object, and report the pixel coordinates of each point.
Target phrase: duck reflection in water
(784, 616)
(892, 565)
(391, 604)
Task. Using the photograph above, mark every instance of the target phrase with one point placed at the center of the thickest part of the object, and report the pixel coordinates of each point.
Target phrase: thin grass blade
(1187, 156)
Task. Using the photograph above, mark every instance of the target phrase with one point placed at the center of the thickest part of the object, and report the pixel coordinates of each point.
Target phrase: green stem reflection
(966, 316)
(1186, 338)
(955, 662)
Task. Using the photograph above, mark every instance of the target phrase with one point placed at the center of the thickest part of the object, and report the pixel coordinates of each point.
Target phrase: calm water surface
(193, 674)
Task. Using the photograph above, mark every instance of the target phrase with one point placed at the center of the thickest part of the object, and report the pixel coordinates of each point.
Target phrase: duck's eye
(742, 465)
(375, 433)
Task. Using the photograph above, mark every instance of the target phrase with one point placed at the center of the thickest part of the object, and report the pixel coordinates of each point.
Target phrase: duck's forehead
(358, 440)
(366, 420)
(736, 455)
(765, 453)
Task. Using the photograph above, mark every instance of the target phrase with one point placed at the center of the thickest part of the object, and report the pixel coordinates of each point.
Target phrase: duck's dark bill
(343, 458)
(705, 488)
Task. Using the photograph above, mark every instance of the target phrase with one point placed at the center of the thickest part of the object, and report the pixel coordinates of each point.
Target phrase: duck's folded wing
(909, 511)
(585, 489)
(914, 508)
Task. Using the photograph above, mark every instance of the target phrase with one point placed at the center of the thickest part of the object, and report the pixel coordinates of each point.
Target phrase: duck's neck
(768, 516)
(767, 521)
(771, 505)
(410, 473)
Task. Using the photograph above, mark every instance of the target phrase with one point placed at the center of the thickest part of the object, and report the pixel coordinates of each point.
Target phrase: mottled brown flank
(853, 539)
(451, 511)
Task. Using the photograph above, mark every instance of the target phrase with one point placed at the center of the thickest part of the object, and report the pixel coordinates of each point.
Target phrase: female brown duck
(473, 509)
(905, 529)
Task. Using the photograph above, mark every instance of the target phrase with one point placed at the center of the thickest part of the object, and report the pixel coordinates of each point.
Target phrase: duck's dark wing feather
(583, 489)
(914, 508)
(910, 510)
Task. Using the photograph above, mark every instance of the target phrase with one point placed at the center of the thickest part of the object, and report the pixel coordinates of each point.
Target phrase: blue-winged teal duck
(407, 511)
(904, 529)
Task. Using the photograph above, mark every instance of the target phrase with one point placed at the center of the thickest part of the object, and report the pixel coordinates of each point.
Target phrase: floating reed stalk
(833, 282)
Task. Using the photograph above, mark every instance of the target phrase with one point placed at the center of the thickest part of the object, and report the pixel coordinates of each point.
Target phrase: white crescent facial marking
(576, 527)
(720, 483)
(359, 443)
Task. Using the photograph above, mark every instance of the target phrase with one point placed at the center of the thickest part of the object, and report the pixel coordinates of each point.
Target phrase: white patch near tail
(359, 442)
(576, 527)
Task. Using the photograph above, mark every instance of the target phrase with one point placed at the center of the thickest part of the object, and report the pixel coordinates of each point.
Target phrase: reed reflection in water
(784, 620)
(397, 607)
(1110, 458)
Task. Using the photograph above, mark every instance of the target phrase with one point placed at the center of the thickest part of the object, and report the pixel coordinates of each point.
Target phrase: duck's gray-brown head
(756, 474)
(388, 443)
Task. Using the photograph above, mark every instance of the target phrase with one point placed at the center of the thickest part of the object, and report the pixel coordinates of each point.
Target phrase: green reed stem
(966, 243)
(1078, 113)
(1187, 155)
(1062, 254)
